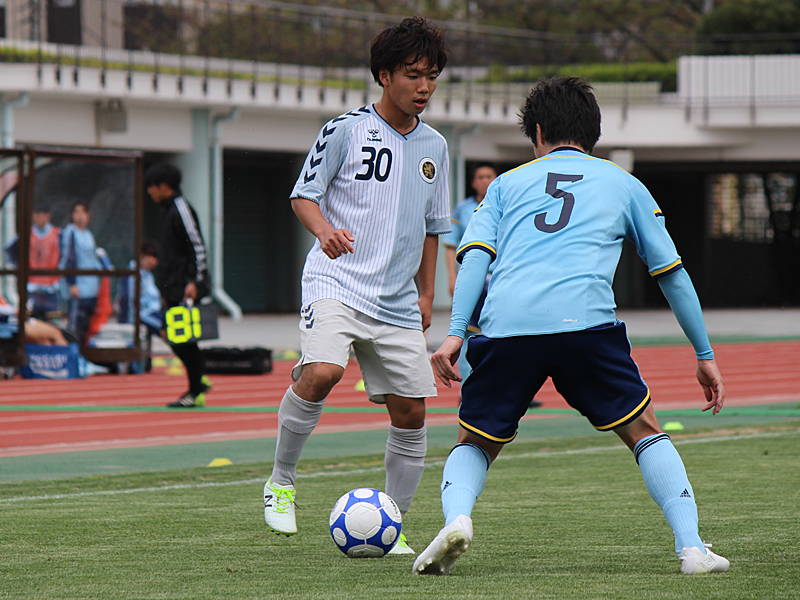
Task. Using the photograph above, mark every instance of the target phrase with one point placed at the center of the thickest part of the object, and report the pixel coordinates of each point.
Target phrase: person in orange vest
(45, 254)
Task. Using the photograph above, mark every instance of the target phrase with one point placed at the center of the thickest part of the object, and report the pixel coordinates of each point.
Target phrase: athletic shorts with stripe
(393, 359)
(592, 369)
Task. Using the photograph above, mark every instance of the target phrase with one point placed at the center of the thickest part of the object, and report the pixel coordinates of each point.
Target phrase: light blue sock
(463, 479)
(666, 480)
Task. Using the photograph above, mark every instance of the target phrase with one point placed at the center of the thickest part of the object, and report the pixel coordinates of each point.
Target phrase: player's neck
(543, 149)
(398, 119)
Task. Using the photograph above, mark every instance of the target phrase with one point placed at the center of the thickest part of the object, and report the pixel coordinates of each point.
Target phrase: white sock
(404, 462)
(297, 418)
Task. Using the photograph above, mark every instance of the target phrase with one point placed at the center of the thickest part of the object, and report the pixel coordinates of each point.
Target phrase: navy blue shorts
(592, 369)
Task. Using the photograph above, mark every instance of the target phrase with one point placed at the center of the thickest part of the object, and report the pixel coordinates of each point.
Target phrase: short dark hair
(411, 41)
(149, 248)
(482, 165)
(566, 110)
(77, 203)
(163, 172)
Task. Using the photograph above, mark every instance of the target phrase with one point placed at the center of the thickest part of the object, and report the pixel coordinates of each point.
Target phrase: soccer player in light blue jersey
(554, 230)
(373, 191)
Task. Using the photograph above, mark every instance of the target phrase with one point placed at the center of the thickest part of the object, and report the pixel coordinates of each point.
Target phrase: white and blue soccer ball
(365, 523)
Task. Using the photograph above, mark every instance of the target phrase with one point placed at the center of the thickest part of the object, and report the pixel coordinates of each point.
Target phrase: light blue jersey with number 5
(554, 228)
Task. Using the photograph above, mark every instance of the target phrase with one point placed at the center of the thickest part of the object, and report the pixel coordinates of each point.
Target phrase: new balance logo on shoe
(685, 494)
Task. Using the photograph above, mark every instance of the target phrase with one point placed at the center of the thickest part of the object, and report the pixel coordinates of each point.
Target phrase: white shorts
(393, 359)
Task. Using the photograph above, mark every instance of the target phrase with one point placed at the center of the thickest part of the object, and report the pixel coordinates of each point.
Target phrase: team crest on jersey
(374, 135)
(428, 170)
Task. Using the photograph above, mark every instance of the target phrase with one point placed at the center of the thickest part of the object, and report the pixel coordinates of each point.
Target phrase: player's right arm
(334, 242)
(451, 241)
(476, 253)
(469, 285)
(322, 164)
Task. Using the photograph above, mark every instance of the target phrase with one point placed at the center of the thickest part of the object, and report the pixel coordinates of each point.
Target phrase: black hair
(42, 207)
(77, 203)
(565, 109)
(149, 248)
(482, 165)
(163, 173)
(413, 40)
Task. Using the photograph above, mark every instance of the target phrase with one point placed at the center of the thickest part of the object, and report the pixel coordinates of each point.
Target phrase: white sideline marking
(194, 486)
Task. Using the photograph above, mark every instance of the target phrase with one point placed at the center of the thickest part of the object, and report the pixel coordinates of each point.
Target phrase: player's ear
(385, 77)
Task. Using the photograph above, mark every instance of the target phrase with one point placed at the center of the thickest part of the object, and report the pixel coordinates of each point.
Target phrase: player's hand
(426, 310)
(444, 359)
(335, 242)
(711, 381)
(190, 293)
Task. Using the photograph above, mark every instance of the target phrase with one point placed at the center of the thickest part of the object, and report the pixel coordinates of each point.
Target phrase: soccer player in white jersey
(374, 192)
(554, 229)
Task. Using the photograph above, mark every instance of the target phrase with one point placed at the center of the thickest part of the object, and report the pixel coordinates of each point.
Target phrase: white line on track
(186, 486)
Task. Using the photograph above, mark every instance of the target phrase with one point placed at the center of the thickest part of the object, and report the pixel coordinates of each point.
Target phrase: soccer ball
(365, 523)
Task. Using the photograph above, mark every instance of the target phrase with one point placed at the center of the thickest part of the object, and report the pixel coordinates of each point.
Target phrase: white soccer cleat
(693, 561)
(401, 547)
(279, 508)
(450, 543)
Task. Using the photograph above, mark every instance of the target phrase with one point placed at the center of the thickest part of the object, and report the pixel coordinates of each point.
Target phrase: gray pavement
(280, 332)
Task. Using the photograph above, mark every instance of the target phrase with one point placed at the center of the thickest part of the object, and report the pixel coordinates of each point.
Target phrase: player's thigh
(327, 330)
(594, 372)
(394, 360)
(506, 375)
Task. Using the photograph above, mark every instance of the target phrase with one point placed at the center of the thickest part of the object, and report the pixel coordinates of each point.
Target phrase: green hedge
(666, 73)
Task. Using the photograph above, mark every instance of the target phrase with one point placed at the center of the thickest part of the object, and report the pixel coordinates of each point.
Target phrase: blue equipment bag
(53, 362)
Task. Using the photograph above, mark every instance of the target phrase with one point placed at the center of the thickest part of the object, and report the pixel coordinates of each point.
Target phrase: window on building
(754, 207)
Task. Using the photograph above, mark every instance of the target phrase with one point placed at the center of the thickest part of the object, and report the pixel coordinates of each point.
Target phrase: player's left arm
(426, 278)
(655, 246)
(682, 297)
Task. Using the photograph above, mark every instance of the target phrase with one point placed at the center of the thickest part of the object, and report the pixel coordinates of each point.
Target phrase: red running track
(755, 373)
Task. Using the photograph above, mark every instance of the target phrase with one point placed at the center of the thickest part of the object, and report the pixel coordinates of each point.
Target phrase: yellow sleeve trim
(491, 250)
(642, 404)
(665, 269)
(486, 435)
(657, 212)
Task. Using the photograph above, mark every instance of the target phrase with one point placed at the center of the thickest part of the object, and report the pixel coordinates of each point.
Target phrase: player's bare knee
(317, 380)
(406, 413)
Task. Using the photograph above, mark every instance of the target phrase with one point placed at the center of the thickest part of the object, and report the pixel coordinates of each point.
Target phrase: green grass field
(560, 518)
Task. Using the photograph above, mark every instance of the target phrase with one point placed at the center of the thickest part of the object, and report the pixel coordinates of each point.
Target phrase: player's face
(80, 217)
(147, 262)
(159, 192)
(410, 87)
(483, 177)
(41, 219)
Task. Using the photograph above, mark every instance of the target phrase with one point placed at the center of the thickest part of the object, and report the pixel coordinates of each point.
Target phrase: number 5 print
(553, 180)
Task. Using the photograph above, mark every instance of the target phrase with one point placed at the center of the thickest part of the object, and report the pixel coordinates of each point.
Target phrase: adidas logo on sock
(685, 494)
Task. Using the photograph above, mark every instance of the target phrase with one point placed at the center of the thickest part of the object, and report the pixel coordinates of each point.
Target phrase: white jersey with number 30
(389, 190)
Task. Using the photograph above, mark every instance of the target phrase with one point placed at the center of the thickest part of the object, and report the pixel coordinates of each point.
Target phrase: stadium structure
(719, 152)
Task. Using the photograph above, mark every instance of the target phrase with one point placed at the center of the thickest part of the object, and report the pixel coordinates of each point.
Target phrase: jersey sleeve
(437, 220)
(648, 231)
(322, 163)
(481, 233)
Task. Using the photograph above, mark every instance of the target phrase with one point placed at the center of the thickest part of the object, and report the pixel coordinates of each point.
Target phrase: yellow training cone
(360, 386)
(219, 462)
(673, 426)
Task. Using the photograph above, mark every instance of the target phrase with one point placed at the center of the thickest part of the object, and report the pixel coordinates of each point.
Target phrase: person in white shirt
(374, 192)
